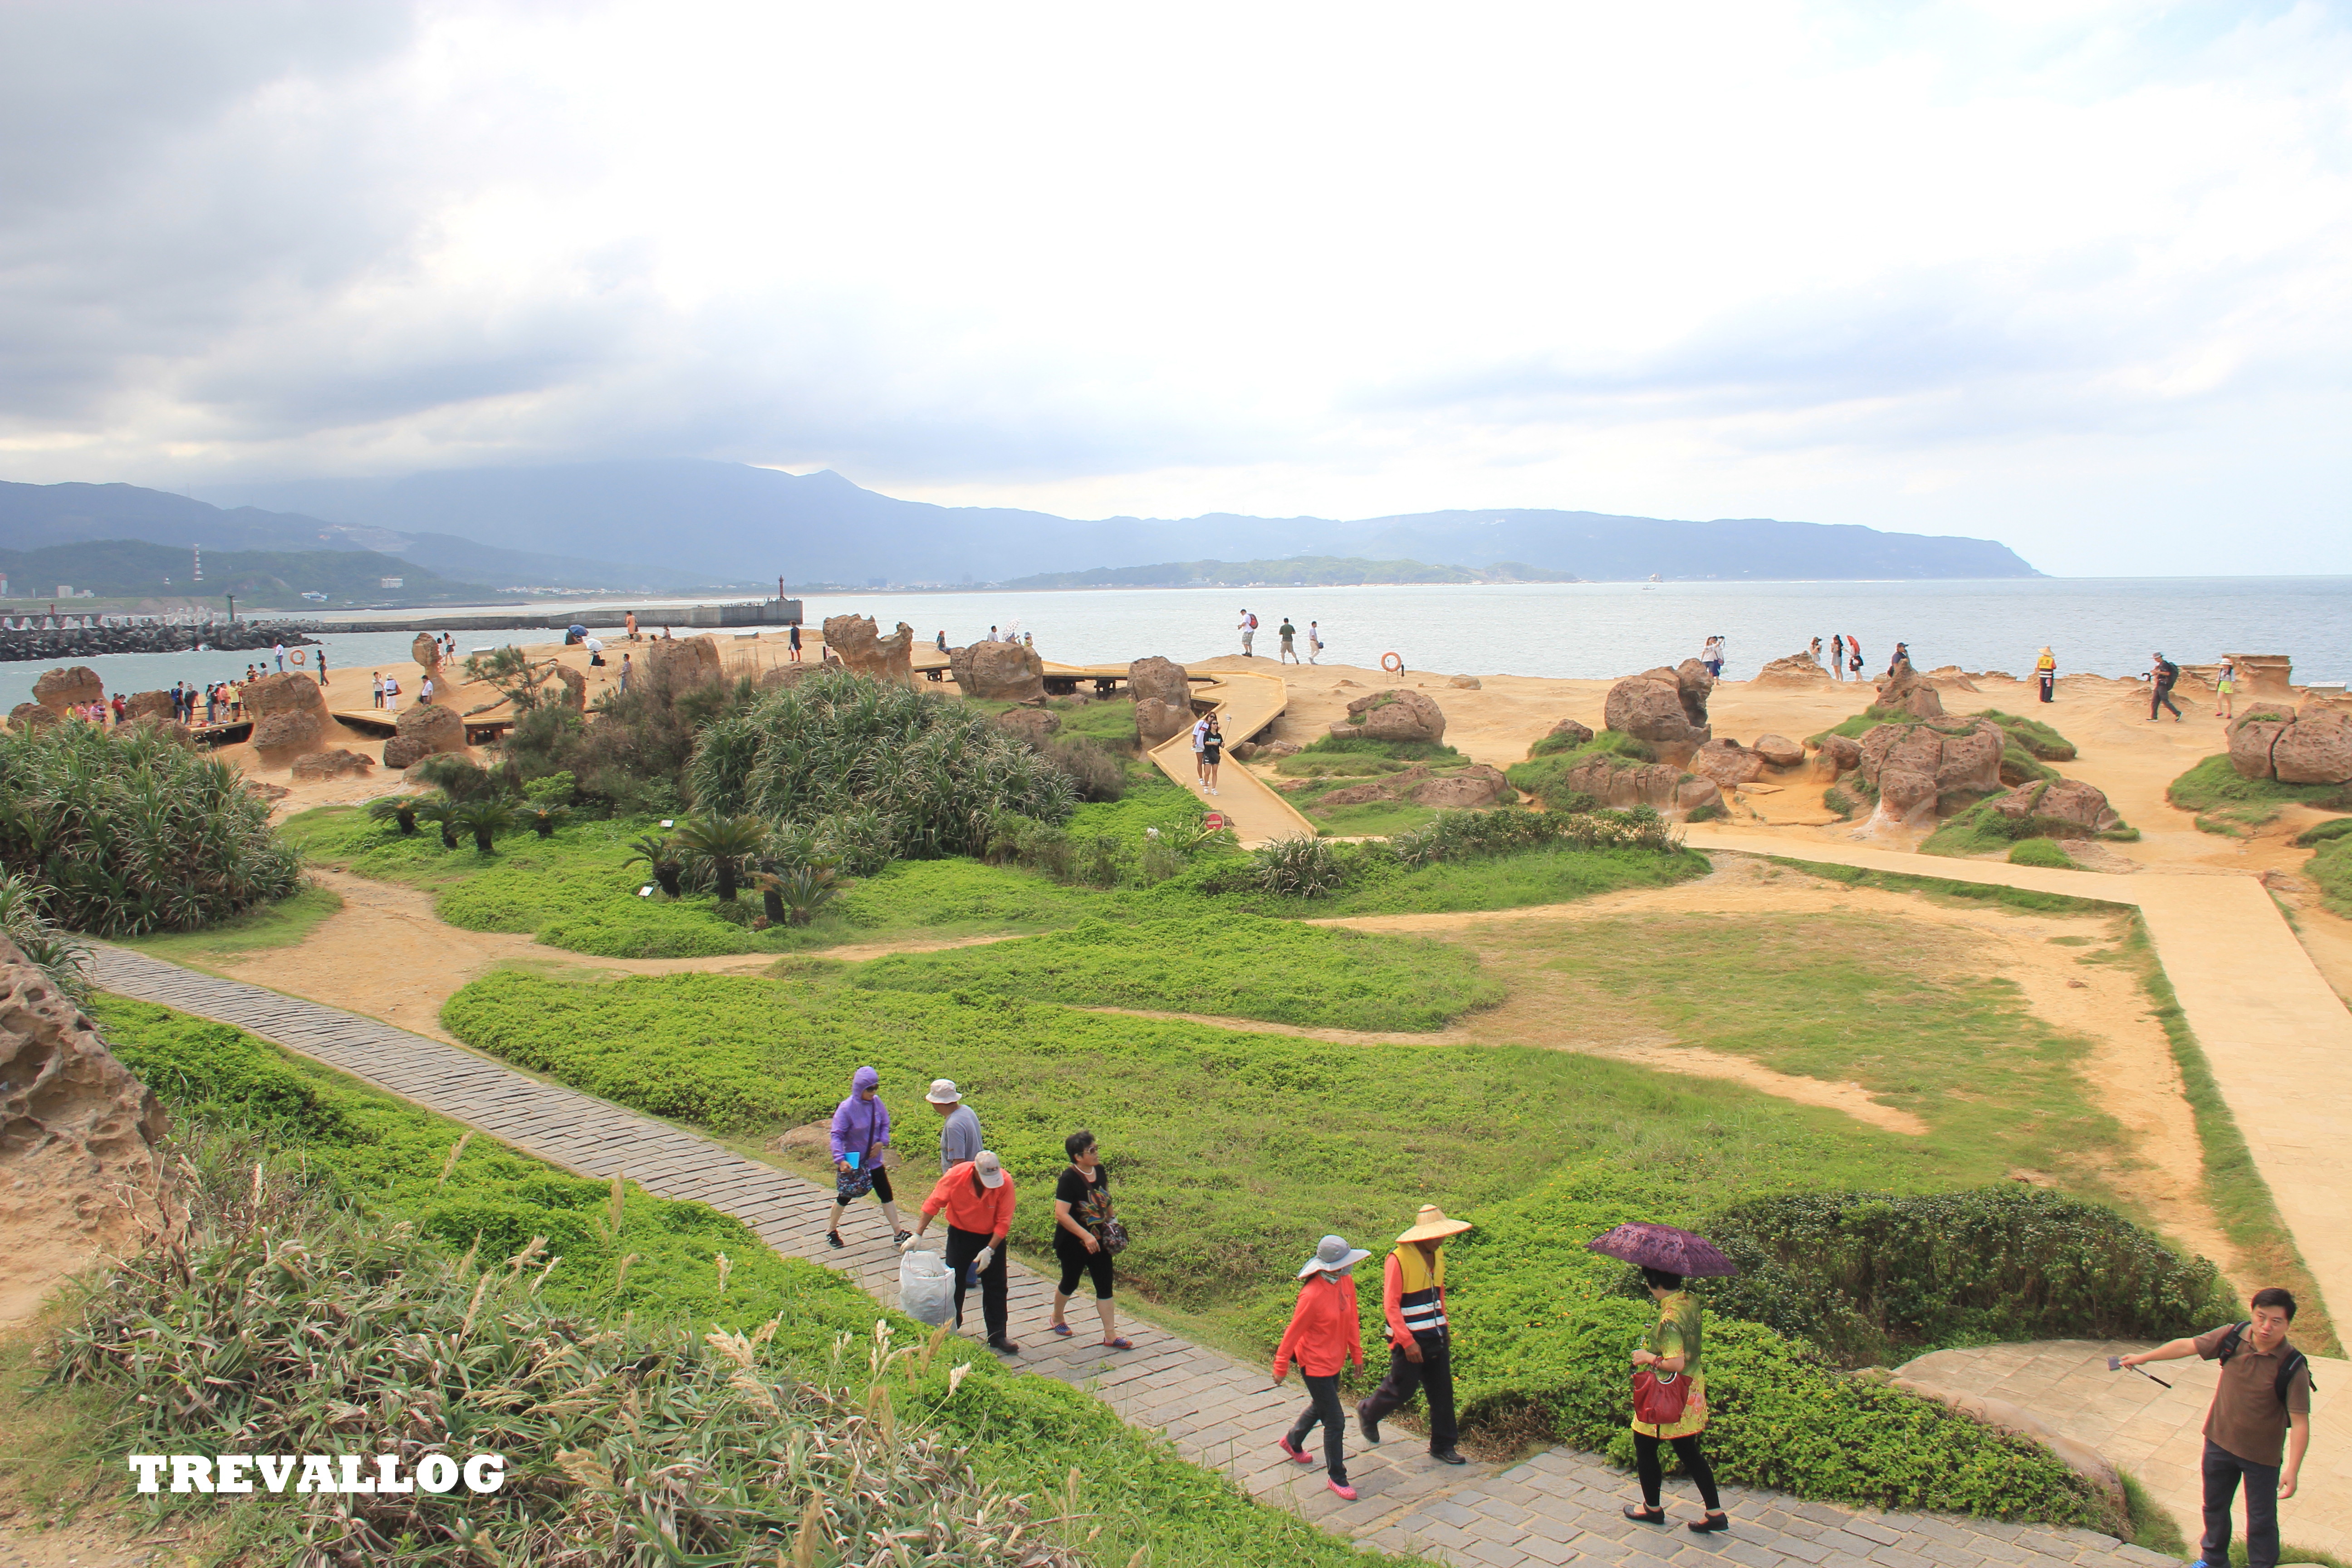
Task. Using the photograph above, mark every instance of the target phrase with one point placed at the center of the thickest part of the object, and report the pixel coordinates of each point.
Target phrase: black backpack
(2294, 1360)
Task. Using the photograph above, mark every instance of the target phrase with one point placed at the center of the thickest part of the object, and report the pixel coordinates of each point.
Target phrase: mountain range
(684, 524)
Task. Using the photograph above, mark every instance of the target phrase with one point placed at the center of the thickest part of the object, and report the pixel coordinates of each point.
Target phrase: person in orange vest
(1420, 1348)
(977, 1198)
(1325, 1336)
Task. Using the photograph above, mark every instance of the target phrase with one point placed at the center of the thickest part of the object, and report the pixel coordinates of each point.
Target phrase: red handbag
(1659, 1398)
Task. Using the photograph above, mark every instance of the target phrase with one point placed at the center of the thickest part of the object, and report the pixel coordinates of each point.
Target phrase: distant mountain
(1297, 571)
(33, 517)
(747, 524)
(133, 569)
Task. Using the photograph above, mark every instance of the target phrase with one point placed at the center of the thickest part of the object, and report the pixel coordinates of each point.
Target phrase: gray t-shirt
(958, 1137)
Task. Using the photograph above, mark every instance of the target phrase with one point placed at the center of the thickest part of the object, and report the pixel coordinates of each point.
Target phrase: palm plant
(395, 808)
(543, 818)
(804, 891)
(724, 843)
(661, 856)
(442, 812)
(485, 816)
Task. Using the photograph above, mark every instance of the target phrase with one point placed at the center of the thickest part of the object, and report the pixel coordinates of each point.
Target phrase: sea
(2103, 626)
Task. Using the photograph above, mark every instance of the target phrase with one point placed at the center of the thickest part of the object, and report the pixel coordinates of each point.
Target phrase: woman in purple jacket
(861, 1136)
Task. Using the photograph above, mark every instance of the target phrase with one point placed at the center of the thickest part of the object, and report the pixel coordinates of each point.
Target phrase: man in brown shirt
(2250, 1424)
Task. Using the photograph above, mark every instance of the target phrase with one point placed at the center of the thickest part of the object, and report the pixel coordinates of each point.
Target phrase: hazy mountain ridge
(129, 568)
(1296, 571)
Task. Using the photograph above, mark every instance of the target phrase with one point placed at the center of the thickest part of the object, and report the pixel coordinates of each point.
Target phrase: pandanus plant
(485, 816)
(725, 842)
(396, 808)
(658, 853)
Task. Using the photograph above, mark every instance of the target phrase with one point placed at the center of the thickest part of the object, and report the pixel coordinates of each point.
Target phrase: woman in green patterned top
(1672, 1346)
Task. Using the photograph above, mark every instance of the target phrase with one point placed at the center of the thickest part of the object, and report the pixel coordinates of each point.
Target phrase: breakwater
(88, 637)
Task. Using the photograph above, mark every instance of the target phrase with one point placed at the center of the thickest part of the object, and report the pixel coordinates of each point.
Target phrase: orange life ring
(1392, 664)
(298, 656)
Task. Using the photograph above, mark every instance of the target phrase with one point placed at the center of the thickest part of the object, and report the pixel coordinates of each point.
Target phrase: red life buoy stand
(1392, 664)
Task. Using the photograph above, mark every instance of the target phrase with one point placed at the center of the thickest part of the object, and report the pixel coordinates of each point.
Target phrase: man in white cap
(1421, 1348)
(977, 1197)
(960, 1133)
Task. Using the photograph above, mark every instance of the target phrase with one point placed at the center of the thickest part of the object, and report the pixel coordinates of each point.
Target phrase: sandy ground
(92, 1543)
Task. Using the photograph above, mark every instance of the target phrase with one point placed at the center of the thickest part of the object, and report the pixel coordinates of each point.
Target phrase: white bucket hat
(1333, 1255)
(944, 1092)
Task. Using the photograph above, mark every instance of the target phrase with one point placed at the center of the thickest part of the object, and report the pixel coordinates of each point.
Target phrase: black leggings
(1323, 1406)
(1077, 1260)
(1654, 1474)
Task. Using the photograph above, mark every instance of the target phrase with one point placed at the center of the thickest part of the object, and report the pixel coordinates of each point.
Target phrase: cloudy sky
(2077, 275)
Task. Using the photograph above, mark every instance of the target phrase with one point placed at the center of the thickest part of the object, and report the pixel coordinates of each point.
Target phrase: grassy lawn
(2213, 784)
(281, 924)
(1229, 965)
(1025, 1432)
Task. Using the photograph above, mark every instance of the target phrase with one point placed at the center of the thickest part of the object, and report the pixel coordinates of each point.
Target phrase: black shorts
(1212, 755)
(1076, 1260)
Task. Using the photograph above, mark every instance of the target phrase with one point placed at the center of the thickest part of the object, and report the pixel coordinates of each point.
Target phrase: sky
(2072, 275)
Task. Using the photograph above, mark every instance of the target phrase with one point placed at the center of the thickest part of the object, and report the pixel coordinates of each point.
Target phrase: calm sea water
(1586, 630)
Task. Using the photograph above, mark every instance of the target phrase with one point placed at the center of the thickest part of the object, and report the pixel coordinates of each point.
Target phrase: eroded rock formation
(571, 688)
(288, 713)
(1162, 690)
(148, 705)
(1726, 763)
(74, 686)
(1798, 669)
(2068, 801)
(1399, 713)
(1034, 725)
(999, 671)
(2310, 746)
(340, 762)
(683, 662)
(858, 642)
(1779, 751)
(1667, 708)
(423, 730)
(1905, 690)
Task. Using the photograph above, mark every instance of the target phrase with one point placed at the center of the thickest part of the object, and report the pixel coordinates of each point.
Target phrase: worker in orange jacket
(1420, 1345)
(977, 1198)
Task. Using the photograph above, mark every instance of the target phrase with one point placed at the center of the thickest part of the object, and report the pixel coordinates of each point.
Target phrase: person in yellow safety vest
(2045, 673)
(1421, 1348)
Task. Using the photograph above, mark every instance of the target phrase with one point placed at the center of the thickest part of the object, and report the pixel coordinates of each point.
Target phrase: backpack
(2294, 1360)
(2167, 672)
(1252, 623)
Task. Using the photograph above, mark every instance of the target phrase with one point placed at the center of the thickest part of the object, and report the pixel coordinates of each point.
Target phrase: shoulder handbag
(1659, 1396)
(1108, 1229)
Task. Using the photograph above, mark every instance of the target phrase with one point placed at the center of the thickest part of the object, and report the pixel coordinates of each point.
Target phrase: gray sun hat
(1333, 1255)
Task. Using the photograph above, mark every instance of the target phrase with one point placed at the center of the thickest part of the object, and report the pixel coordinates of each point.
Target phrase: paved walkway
(1559, 1507)
(2277, 1037)
(2159, 1434)
(1247, 703)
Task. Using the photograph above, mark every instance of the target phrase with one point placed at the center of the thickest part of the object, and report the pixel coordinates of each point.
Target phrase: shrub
(552, 789)
(123, 832)
(931, 774)
(2043, 852)
(1467, 835)
(48, 948)
(1095, 771)
(454, 776)
(1874, 1276)
(1301, 867)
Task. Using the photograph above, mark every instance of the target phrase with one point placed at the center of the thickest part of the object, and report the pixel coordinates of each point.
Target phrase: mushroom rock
(575, 688)
(72, 686)
(1665, 707)
(1798, 669)
(424, 652)
(1399, 713)
(1160, 680)
(1905, 690)
(289, 711)
(1779, 751)
(999, 671)
(856, 641)
(423, 731)
(1473, 786)
(1724, 761)
(288, 729)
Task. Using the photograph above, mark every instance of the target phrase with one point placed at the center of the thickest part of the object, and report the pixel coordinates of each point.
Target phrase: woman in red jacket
(1325, 1336)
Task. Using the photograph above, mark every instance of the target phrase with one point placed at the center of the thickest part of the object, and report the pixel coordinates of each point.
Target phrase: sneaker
(1343, 1488)
(1448, 1457)
(1368, 1426)
(833, 1240)
(898, 1238)
(1296, 1455)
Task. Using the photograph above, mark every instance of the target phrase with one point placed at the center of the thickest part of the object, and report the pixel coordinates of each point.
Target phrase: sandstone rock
(683, 662)
(1904, 797)
(1159, 680)
(1905, 690)
(1467, 682)
(423, 730)
(999, 671)
(335, 764)
(1655, 785)
(1399, 713)
(264, 788)
(1842, 753)
(1798, 669)
(1033, 725)
(2265, 675)
(856, 641)
(2252, 737)
(292, 692)
(1779, 751)
(1691, 794)
(79, 1157)
(2066, 800)
(2315, 749)
(1665, 707)
(424, 652)
(1242, 751)
(1957, 758)
(1570, 733)
(288, 730)
(1724, 761)
(786, 674)
(148, 705)
(31, 716)
(1473, 786)
(815, 1136)
(1156, 721)
(572, 689)
(74, 686)
(1281, 748)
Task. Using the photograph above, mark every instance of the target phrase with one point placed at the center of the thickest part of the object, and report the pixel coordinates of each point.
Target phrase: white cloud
(2072, 276)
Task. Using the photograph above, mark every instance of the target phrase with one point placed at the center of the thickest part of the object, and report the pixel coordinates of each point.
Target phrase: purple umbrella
(1663, 1247)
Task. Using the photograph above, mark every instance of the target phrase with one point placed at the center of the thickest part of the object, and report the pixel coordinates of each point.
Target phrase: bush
(929, 772)
(2214, 783)
(123, 832)
(1095, 771)
(1433, 752)
(1979, 829)
(1875, 1277)
(48, 948)
(1708, 810)
(2041, 852)
(1301, 867)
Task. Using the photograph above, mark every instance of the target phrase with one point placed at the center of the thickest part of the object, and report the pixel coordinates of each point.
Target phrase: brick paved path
(1557, 1507)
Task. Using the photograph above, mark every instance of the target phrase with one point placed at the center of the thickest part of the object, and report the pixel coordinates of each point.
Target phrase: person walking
(1248, 629)
(627, 669)
(2225, 688)
(2045, 674)
(1421, 1347)
(793, 644)
(629, 625)
(1286, 632)
(977, 1197)
(2162, 675)
(1200, 748)
(1671, 1348)
(1314, 642)
(2261, 1405)
(861, 1140)
(960, 1133)
(1325, 1336)
(1213, 752)
(1085, 1233)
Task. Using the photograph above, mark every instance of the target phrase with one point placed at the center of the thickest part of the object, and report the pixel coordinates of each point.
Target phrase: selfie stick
(2115, 1363)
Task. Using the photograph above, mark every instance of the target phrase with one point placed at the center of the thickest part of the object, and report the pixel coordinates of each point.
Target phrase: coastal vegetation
(2214, 785)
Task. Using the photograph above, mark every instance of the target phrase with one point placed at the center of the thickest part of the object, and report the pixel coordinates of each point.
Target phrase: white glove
(909, 1242)
(982, 1259)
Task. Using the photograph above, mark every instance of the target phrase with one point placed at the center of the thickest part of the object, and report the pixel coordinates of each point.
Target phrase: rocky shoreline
(81, 642)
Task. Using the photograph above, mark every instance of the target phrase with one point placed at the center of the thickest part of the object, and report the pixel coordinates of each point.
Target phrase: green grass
(2323, 832)
(264, 926)
(2038, 739)
(1025, 1432)
(2214, 783)
(1237, 966)
(2331, 868)
(1370, 819)
(1437, 753)
(2041, 852)
(1950, 887)
(1981, 830)
(1544, 773)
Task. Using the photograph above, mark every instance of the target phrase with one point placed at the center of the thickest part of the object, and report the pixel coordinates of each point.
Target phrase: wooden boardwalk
(1559, 1507)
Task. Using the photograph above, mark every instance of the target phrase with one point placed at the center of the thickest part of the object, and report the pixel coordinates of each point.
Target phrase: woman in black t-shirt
(1081, 1208)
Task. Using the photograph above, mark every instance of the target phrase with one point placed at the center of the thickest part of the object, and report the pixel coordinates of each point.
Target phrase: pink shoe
(1296, 1455)
(1343, 1488)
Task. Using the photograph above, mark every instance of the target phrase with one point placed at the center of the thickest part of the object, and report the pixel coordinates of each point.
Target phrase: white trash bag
(926, 1285)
